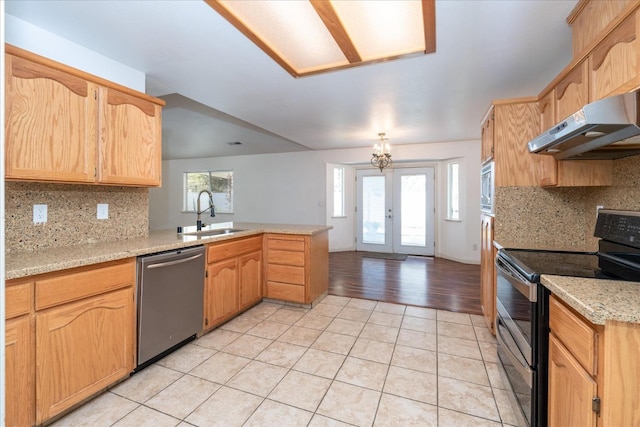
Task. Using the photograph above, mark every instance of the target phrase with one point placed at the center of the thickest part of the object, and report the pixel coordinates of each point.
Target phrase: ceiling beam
(231, 18)
(327, 13)
(429, 23)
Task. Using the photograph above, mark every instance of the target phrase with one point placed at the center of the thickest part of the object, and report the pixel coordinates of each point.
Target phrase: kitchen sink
(216, 232)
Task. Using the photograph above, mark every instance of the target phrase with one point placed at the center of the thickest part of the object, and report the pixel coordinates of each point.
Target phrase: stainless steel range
(522, 323)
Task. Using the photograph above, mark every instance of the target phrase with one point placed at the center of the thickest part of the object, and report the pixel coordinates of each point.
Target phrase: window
(338, 192)
(220, 183)
(453, 191)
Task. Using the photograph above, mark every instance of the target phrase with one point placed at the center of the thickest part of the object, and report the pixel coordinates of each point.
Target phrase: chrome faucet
(198, 211)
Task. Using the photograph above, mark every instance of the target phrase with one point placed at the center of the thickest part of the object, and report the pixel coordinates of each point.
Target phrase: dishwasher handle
(178, 261)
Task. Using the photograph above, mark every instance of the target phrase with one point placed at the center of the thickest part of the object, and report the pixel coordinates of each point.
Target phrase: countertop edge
(597, 300)
(157, 241)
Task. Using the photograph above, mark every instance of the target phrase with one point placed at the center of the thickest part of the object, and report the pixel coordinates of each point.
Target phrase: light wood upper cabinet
(64, 125)
(516, 123)
(130, 134)
(487, 137)
(613, 64)
(571, 93)
(547, 107)
(51, 126)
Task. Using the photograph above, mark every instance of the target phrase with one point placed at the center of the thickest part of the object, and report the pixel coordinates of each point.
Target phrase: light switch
(103, 211)
(39, 214)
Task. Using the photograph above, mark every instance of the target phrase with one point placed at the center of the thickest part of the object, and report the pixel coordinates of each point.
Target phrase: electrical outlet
(103, 211)
(39, 214)
(475, 247)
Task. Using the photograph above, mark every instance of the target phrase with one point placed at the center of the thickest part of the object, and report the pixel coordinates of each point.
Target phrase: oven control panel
(619, 226)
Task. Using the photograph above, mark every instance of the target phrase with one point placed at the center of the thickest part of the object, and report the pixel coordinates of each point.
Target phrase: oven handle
(518, 281)
(523, 369)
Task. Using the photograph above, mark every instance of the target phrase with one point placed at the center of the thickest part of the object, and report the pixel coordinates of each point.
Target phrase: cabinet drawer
(285, 274)
(18, 299)
(285, 257)
(220, 251)
(576, 334)
(286, 244)
(83, 282)
(283, 291)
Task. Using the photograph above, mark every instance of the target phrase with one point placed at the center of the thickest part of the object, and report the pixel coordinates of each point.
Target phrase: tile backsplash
(563, 218)
(71, 211)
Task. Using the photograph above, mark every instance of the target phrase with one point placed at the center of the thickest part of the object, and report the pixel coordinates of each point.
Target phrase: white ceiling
(221, 88)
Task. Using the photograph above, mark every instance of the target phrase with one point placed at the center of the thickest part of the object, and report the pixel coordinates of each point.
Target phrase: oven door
(516, 375)
(516, 298)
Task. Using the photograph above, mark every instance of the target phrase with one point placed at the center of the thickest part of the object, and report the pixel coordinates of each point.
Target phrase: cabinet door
(51, 124)
(222, 292)
(130, 149)
(571, 389)
(613, 64)
(515, 125)
(546, 105)
(250, 284)
(19, 386)
(572, 93)
(487, 138)
(82, 348)
(487, 277)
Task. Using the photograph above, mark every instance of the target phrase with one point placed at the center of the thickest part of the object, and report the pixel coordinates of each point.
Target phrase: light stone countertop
(23, 264)
(596, 299)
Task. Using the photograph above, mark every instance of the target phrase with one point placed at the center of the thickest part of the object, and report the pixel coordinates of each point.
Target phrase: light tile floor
(344, 362)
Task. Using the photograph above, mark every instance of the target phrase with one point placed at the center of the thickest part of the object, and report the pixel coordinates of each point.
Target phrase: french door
(395, 211)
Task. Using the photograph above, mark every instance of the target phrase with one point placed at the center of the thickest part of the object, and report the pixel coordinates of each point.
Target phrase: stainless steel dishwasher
(170, 299)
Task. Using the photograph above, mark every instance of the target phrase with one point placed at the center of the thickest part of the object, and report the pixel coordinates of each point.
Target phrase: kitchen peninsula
(60, 299)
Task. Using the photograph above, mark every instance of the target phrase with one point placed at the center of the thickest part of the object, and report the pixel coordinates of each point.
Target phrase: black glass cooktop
(578, 264)
(533, 263)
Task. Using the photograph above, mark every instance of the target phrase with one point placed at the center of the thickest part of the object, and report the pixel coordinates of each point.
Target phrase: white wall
(291, 188)
(34, 39)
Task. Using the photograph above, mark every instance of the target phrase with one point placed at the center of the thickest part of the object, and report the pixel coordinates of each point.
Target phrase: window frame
(450, 216)
(221, 207)
(343, 213)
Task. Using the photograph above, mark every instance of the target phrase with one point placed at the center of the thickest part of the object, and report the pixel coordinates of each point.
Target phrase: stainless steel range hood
(605, 129)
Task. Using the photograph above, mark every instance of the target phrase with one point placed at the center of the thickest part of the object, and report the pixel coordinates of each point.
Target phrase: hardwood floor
(420, 281)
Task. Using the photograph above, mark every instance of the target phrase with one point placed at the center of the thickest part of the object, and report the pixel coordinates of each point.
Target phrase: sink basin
(216, 232)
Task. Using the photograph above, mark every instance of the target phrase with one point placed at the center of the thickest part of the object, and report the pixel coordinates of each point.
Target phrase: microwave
(487, 178)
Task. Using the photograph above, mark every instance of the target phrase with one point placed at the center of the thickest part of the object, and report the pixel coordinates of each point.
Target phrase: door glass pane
(373, 210)
(413, 218)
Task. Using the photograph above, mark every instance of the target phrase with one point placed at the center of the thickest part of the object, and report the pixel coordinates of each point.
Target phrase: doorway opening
(395, 211)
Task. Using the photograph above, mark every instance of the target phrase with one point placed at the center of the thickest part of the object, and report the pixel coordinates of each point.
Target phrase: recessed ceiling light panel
(315, 36)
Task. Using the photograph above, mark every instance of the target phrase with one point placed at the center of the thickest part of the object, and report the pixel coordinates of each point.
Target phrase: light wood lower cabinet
(575, 368)
(69, 335)
(571, 389)
(234, 279)
(19, 353)
(296, 266)
(221, 292)
(250, 280)
(82, 348)
(487, 273)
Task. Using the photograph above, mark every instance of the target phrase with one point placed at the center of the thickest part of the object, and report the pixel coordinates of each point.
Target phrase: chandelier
(381, 153)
